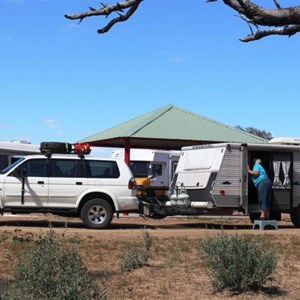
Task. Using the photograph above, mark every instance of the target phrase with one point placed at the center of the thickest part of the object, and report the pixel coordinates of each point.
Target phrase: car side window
(35, 167)
(102, 169)
(66, 168)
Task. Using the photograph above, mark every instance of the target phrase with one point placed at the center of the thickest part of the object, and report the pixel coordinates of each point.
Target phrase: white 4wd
(90, 188)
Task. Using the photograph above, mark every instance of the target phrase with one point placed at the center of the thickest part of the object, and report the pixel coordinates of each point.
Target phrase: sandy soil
(173, 274)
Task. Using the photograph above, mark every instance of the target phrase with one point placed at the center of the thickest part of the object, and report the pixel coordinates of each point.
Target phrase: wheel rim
(97, 214)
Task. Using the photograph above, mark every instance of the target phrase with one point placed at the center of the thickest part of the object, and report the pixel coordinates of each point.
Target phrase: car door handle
(40, 182)
(78, 183)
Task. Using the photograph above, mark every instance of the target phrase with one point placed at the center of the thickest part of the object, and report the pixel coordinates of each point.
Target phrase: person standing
(263, 186)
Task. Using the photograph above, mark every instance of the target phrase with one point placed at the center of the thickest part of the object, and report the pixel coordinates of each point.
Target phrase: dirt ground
(175, 269)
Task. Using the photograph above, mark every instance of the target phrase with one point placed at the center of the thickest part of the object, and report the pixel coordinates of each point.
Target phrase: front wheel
(97, 213)
(295, 216)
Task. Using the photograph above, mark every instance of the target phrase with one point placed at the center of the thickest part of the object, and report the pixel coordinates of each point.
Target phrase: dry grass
(175, 269)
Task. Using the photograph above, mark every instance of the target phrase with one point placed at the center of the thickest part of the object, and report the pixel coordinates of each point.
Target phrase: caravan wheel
(295, 216)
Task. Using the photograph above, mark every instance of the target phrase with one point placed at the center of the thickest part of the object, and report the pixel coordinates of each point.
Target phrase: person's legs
(263, 191)
(268, 196)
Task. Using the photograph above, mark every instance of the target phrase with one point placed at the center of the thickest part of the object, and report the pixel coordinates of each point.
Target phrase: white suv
(90, 188)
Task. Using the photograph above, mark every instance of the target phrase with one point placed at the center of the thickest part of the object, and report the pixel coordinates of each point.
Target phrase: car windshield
(7, 169)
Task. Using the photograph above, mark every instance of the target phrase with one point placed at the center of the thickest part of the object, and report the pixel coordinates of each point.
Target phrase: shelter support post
(127, 151)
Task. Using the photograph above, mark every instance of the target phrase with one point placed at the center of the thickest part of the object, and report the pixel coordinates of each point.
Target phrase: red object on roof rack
(82, 148)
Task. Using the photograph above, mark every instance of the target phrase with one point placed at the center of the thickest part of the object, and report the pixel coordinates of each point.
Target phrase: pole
(127, 151)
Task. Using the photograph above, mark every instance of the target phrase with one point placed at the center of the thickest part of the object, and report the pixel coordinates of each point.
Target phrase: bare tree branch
(285, 20)
(281, 21)
(277, 4)
(289, 31)
(106, 10)
(121, 18)
(266, 17)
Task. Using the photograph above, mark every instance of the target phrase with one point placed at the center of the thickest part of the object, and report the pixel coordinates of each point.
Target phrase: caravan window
(203, 159)
(156, 170)
(174, 166)
(139, 169)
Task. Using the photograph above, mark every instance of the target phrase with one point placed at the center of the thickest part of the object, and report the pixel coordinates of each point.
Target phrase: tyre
(295, 216)
(96, 213)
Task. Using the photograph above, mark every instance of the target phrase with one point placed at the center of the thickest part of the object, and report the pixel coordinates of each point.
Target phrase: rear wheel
(295, 216)
(97, 213)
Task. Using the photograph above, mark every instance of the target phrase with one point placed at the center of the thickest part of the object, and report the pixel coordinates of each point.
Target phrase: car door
(66, 182)
(34, 181)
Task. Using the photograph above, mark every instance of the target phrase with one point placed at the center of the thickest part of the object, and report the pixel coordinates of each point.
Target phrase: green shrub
(134, 256)
(148, 240)
(47, 270)
(237, 263)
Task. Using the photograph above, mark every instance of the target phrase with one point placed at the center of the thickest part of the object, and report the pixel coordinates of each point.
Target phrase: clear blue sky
(60, 81)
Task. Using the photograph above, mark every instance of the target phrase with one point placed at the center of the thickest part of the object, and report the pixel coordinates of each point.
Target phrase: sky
(61, 81)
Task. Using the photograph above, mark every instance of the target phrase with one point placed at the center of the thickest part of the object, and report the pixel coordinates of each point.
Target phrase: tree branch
(285, 21)
(121, 18)
(286, 18)
(266, 17)
(289, 31)
(106, 10)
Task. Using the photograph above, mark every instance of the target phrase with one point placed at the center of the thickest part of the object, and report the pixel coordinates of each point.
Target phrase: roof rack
(49, 148)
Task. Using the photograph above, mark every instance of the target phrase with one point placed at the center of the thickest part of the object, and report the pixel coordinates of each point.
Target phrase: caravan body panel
(228, 189)
(211, 173)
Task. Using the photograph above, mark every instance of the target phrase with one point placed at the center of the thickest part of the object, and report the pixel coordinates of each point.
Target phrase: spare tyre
(55, 147)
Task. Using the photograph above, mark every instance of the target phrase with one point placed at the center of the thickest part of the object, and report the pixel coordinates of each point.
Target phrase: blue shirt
(261, 174)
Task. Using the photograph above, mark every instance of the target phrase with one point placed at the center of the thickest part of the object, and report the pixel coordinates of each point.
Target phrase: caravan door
(230, 187)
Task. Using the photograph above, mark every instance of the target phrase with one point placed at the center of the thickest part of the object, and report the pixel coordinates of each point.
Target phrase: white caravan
(213, 179)
(13, 150)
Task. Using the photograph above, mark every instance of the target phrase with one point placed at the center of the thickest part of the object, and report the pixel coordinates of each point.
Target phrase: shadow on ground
(129, 223)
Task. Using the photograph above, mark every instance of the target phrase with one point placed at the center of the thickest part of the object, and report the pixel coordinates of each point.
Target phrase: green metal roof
(170, 127)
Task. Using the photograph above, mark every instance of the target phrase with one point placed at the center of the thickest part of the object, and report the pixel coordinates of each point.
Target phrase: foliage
(148, 240)
(237, 263)
(135, 257)
(261, 133)
(46, 270)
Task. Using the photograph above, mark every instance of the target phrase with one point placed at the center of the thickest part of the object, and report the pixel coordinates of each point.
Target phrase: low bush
(47, 270)
(238, 263)
(135, 256)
